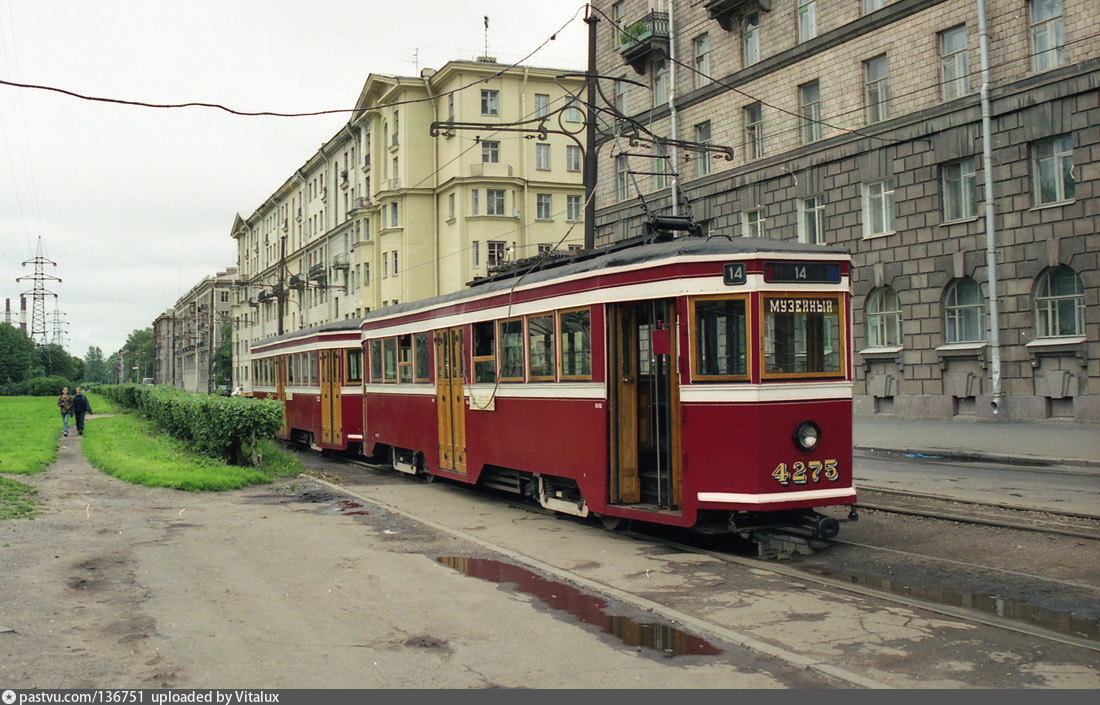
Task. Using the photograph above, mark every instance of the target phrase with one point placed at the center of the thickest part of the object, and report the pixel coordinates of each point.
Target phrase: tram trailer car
(318, 375)
(693, 382)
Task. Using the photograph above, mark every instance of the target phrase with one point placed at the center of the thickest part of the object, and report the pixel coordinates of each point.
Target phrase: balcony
(728, 13)
(644, 40)
(340, 261)
(318, 272)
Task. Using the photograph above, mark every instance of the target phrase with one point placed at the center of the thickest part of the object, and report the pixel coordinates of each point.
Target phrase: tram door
(450, 399)
(331, 378)
(280, 391)
(645, 409)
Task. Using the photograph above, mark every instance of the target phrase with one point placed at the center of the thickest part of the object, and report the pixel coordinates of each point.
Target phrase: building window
(809, 97)
(753, 116)
(660, 86)
(960, 190)
(807, 20)
(394, 258)
(876, 94)
(542, 105)
(1048, 44)
(1059, 304)
(954, 66)
(542, 157)
(393, 214)
(702, 159)
(543, 206)
(477, 254)
(870, 6)
(1052, 165)
(811, 220)
(572, 157)
(878, 208)
(701, 50)
(474, 205)
(490, 102)
(490, 152)
(964, 311)
(396, 174)
(621, 175)
(494, 201)
(618, 19)
(494, 253)
(396, 124)
(573, 111)
(385, 265)
(620, 96)
(572, 207)
(451, 206)
(752, 223)
(750, 39)
(660, 175)
(883, 318)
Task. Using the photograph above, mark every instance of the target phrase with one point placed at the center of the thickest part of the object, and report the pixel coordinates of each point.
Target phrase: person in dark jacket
(65, 403)
(80, 407)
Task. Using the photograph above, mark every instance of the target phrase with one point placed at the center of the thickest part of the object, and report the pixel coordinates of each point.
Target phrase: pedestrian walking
(65, 403)
(80, 407)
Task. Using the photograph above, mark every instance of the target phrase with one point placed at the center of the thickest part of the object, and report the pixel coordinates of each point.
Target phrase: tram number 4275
(804, 473)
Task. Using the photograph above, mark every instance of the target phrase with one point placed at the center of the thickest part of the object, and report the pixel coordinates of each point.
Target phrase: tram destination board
(733, 273)
(802, 272)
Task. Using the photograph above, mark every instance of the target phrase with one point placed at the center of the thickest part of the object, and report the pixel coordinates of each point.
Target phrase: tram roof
(619, 255)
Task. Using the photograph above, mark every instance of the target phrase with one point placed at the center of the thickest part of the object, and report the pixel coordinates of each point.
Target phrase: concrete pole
(990, 240)
(673, 162)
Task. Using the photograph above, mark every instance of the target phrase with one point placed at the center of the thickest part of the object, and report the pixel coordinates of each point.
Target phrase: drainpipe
(990, 250)
(674, 160)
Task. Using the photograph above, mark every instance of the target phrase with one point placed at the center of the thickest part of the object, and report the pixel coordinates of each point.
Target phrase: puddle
(589, 609)
(1054, 620)
(350, 508)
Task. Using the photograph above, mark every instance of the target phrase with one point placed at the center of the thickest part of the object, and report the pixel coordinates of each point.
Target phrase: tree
(56, 362)
(138, 352)
(223, 356)
(18, 357)
(95, 367)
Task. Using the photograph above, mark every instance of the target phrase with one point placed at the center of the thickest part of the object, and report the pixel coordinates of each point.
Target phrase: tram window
(293, 369)
(576, 344)
(312, 363)
(423, 368)
(802, 335)
(720, 346)
(405, 358)
(376, 360)
(354, 371)
(390, 356)
(540, 346)
(485, 361)
(511, 350)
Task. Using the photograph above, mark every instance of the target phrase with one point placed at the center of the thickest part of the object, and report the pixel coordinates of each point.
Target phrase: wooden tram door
(280, 391)
(331, 378)
(645, 408)
(450, 399)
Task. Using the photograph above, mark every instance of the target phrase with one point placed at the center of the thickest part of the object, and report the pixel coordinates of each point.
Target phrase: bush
(222, 427)
(37, 387)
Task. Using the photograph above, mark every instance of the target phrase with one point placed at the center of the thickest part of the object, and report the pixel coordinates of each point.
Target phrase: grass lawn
(16, 499)
(29, 430)
(130, 448)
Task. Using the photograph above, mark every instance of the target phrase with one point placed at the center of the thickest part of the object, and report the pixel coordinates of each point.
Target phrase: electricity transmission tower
(38, 294)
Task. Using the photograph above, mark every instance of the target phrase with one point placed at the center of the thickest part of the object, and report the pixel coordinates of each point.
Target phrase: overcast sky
(134, 204)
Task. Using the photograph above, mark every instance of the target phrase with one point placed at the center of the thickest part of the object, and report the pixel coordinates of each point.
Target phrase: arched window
(1059, 303)
(883, 318)
(964, 308)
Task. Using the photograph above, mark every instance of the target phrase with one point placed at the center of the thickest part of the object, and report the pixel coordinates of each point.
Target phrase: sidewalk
(1040, 442)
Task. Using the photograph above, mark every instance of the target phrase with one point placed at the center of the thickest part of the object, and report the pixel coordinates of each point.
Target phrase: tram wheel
(612, 523)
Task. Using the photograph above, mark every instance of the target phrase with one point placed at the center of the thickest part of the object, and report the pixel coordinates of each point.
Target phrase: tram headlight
(807, 435)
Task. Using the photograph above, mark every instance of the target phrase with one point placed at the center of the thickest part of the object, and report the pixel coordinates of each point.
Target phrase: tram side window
(511, 350)
(294, 369)
(405, 358)
(376, 360)
(390, 356)
(540, 346)
(802, 336)
(354, 372)
(576, 344)
(422, 340)
(311, 364)
(485, 360)
(720, 338)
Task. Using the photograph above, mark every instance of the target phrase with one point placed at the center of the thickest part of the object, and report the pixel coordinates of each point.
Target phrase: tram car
(693, 382)
(318, 375)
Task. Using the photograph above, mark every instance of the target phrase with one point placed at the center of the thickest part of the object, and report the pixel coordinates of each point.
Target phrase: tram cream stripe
(693, 623)
(776, 496)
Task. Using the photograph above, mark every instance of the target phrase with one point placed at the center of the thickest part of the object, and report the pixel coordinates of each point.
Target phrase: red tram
(318, 374)
(693, 382)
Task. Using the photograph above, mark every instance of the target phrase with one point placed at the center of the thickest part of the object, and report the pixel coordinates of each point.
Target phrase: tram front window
(802, 336)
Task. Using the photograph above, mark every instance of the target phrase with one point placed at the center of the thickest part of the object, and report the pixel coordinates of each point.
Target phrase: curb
(972, 455)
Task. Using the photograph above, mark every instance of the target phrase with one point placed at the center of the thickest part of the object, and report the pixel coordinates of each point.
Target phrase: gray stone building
(861, 123)
(197, 331)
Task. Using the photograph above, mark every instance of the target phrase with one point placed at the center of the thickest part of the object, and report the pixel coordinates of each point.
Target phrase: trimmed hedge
(221, 427)
(37, 387)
